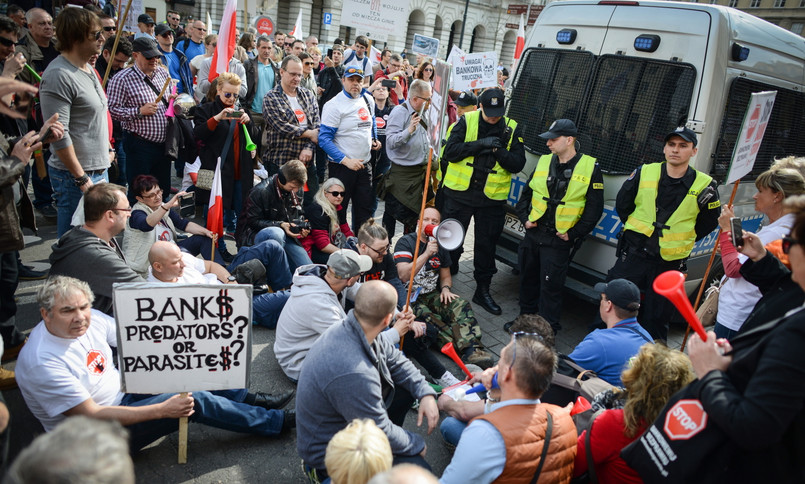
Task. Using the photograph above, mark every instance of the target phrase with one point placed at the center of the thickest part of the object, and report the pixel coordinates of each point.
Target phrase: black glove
(490, 142)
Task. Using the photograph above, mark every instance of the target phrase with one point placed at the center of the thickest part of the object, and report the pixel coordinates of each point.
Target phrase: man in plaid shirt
(291, 115)
(132, 101)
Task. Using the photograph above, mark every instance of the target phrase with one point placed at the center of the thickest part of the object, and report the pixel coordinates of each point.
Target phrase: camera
(300, 225)
(187, 204)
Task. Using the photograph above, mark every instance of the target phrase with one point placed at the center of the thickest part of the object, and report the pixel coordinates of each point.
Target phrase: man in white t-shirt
(67, 368)
(348, 134)
(291, 116)
(168, 263)
(356, 56)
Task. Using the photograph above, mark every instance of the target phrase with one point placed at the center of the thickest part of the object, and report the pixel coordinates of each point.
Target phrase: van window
(785, 134)
(551, 85)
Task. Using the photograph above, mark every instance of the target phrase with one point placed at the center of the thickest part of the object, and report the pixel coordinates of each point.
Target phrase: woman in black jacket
(757, 396)
(214, 126)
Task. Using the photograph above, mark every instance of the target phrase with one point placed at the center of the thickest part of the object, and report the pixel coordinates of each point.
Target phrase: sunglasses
(230, 94)
(353, 70)
(337, 194)
(6, 42)
(110, 29)
(310, 63)
(787, 243)
(522, 334)
(98, 35)
(428, 69)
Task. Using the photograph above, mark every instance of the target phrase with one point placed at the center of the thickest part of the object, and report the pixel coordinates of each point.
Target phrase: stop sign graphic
(685, 419)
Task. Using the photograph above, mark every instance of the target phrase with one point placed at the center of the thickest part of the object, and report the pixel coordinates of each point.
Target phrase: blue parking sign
(328, 18)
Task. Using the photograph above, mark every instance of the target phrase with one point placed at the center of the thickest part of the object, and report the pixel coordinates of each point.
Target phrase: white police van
(629, 72)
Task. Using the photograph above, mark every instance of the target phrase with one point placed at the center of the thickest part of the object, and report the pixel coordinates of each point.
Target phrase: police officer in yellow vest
(559, 206)
(483, 150)
(665, 208)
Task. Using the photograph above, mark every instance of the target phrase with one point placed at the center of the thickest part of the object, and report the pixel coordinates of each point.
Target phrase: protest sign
(380, 18)
(135, 11)
(427, 46)
(183, 337)
(475, 71)
(753, 128)
(438, 103)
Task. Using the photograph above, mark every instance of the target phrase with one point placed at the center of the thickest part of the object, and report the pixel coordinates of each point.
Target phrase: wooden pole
(707, 270)
(418, 237)
(120, 24)
(164, 88)
(183, 437)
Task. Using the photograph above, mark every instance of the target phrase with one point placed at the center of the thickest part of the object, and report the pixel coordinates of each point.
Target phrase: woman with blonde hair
(358, 452)
(328, 222)
(653, 376)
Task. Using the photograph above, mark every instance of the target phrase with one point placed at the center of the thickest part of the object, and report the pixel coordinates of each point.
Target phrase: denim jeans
(146, 158)
(451, 429)
(222, 409)
(297, 255)
(67, 194)
(270, 253)
(266, 308)
(121, 161)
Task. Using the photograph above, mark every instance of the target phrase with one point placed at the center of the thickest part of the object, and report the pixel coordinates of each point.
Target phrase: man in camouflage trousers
(432, 298)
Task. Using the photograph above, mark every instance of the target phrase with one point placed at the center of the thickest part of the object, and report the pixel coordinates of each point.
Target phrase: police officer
(483, 150)
(559, 206)
(665, 208)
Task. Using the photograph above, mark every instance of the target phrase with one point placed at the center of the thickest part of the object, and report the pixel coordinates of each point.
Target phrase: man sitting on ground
(67, 368)
(352, 373)
(508, 442)
(607, 351)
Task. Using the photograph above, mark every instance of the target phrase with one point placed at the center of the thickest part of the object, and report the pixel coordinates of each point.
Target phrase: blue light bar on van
(739, 52)
(566, 36)
(647, 42)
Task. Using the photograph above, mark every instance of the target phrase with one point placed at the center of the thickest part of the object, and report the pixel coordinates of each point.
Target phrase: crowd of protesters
(99, 126)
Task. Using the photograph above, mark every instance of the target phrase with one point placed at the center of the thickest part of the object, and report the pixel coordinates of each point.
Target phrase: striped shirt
(127, 92)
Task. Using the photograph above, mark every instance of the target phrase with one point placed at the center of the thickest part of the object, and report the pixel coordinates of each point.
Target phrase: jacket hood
(308, 281)
(72, 241)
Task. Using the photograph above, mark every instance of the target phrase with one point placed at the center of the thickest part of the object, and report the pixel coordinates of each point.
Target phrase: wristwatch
(232, 278)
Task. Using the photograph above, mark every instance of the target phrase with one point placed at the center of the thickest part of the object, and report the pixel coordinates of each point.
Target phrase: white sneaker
(447, 380)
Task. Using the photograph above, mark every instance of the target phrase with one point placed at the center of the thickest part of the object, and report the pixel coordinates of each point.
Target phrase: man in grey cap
(659, 237)
(607, 351)
(483, 150)
(317, 302)
(558, 207)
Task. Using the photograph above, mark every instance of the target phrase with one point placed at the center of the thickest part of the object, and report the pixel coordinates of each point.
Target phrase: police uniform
(482, 158)
(565, 198)
(659, 237)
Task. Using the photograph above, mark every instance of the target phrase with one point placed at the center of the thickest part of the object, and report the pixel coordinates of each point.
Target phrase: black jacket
(267, 206)
(780, 293)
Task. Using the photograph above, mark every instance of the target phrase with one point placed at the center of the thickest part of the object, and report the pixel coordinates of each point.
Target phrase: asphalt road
(220, 456)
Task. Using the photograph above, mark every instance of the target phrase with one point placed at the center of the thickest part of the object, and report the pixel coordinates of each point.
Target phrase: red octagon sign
(685, 419)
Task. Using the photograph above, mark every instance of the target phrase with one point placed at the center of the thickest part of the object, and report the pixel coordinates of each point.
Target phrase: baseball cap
(353, 72)
(162, 29)
(144, 18)
(493, 102)
(684, 133)
(146, 46)
(467, 98)
(560, 127)
(621, 292)
(347, 263)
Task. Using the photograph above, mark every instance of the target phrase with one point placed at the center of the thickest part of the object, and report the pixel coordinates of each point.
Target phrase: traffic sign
(328, 18)
(685, 419)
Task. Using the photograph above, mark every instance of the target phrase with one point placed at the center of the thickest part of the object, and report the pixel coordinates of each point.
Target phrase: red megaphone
(451, 352)
(671, 285)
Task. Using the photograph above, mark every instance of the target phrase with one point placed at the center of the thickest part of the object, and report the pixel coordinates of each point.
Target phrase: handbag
(708, 310)
(571, 381)
(205, 176)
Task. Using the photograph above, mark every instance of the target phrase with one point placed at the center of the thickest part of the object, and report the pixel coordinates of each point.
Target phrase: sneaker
(10, 354)
(7, 380)
(48, 211)
(27, 273)
(447, 380)
(479, 357)
(226, 255)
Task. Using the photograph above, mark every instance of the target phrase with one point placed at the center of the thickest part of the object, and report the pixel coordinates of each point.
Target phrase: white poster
(183, 337)
(135, 11)
(752, 130)
(379, 18)
(427, 46)
(455, 53)
(438, 104)
(475, 71)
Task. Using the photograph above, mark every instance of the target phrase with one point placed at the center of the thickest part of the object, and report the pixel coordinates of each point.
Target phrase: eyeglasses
(310, 63)
(121, 209)
(337, 194)
(381, 251)
(427, 99)
(518, 334)
(97, 34)
(110, 29)
(230, 94)
(787, 243)
(154, 195)
(7, 42)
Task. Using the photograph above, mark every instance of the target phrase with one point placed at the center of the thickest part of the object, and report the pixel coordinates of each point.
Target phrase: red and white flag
(226, 40)
(297, 33)
(375, 55)
(520, 44)
(215, 210)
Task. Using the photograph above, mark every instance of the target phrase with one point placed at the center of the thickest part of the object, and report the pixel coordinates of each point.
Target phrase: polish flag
(215, 210)
(375, 55)
(296, 33)
(520, 45)
(226, 41)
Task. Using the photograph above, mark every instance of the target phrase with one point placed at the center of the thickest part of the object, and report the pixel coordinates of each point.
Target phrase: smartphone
(234, 115)
(389, 83)
(330, 53)
(737, 232)
(187, 205)
(47, 135)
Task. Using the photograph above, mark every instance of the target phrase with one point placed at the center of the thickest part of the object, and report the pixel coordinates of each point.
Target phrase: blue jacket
(185, 74)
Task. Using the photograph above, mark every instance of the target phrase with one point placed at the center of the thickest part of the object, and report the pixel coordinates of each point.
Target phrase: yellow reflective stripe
(640, 226)
(677, 236)
(540, 173)
(668, 252)
(653, 184)
(580, 179)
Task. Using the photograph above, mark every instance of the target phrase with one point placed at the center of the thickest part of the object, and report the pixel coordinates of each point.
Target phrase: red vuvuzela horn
(671, 285)
(450, 351)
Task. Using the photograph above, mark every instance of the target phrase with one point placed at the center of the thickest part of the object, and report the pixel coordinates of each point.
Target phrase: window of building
(797, 28)
(754, 3)
(734, 3)
(779, 3)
